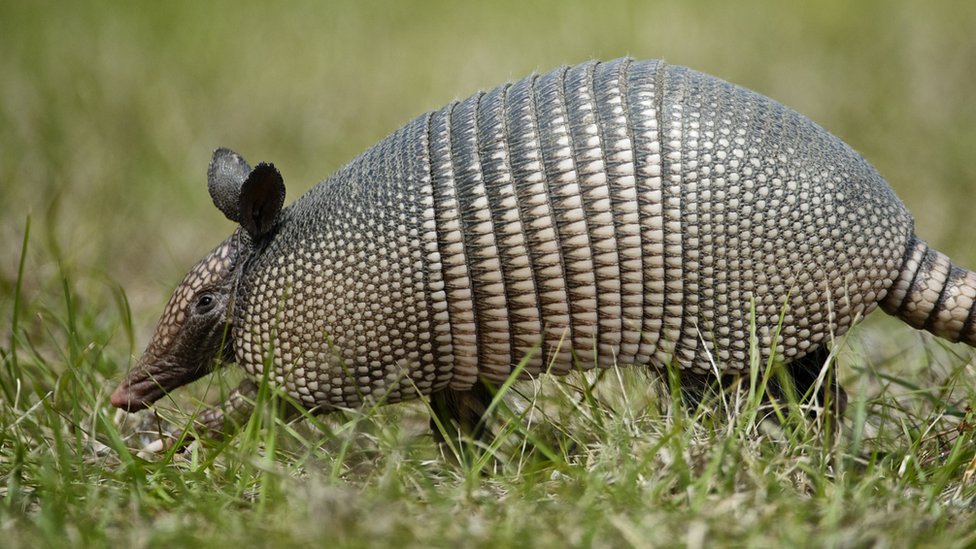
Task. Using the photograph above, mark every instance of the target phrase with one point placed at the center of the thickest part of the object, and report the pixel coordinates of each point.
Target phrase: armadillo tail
(931, 293)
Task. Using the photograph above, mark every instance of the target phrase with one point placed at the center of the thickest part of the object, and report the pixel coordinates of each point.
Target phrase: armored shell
(628, 212)
(609, 213)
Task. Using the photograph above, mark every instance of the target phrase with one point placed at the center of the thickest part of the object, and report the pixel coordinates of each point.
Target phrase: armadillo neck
(931, 293)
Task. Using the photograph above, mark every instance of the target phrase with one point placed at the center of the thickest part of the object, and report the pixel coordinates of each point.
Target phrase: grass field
(109, 113)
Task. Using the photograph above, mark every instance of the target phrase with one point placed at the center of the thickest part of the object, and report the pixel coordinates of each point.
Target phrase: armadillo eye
(205, 303)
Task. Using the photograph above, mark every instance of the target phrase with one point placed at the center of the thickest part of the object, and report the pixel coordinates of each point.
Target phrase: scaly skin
(609, 213)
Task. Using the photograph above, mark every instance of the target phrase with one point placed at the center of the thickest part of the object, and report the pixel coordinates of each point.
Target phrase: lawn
(108, 115)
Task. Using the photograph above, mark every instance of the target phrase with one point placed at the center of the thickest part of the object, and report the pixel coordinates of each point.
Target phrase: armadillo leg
(804, 373)
(231, 414)
(213, 423)
(460, 415)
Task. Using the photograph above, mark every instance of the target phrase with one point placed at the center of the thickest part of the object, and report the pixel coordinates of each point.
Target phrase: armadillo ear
(262, 196)
(225, 176)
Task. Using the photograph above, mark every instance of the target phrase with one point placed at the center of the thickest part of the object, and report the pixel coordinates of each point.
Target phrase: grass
(108, 115)
(585, 462)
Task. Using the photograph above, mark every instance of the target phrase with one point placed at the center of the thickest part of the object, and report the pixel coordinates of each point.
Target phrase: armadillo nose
(122, 398)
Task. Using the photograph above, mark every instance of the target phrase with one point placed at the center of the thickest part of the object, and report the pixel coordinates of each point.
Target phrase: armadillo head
(194, 334)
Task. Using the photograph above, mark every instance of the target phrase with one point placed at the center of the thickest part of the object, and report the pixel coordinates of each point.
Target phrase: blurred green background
(109, 110)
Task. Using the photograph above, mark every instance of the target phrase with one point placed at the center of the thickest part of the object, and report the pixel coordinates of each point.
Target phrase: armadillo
(610, 213)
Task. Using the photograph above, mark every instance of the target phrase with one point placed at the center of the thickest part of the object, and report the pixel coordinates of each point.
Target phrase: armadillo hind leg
(932, 294)
(804, 382)
(459, 416)
(805, 377)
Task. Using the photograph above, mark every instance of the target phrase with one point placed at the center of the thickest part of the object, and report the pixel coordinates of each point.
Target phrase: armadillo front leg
(230, 415)
(213, 423)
